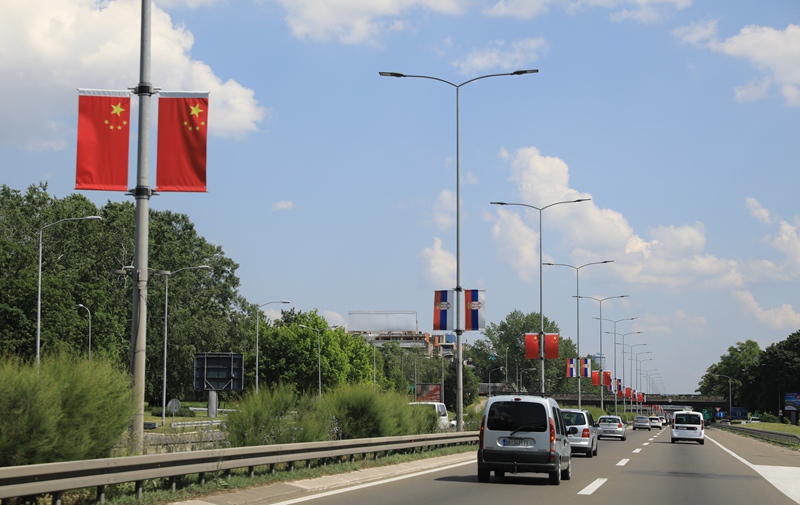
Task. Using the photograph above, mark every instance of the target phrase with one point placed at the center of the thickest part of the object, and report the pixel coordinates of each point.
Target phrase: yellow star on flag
(196, 110)
(117, 109)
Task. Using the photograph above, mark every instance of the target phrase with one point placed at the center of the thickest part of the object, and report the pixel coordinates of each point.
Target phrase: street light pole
(458, 289)
(541, 303)
(623, 363)
(82, 306)
(490, 377)
(39, 288)
(319, 355)
(578, 312)
(166, 274)
(258, 323)
(602, 361)
(616, 393)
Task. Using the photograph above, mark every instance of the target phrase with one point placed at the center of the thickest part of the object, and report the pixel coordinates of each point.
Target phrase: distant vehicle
(688, 426)
(441, 413)
(611, 426)
(754, 420)
(641, 423)
(655, 422)
(585, 440)
(664, 421)
(524, 434)
(725, 422)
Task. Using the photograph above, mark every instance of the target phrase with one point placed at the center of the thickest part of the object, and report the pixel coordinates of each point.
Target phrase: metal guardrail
(774, 436)
(55, 478)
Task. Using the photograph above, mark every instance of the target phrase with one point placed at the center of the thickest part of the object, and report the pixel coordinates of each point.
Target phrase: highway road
(646, 468)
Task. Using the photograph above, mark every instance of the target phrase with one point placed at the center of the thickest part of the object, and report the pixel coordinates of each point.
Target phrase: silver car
(584, 438)
(641, 423)
(611, 426)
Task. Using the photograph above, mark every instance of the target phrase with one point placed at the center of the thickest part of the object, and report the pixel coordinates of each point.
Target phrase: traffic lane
(686, 472)
(757, 452)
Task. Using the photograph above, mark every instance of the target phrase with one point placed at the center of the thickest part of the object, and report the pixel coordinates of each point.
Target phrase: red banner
(103, 139)
(595, 377)
(531, 346)
(551, 345)
(182, 133)
(606, 378)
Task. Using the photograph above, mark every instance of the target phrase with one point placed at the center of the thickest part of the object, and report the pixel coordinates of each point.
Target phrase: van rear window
(687, 419)
(511, 416)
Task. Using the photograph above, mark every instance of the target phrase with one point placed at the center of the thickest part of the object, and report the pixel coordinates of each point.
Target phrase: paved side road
(284, 491)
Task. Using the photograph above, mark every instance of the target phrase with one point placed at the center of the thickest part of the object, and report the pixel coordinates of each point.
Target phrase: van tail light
(702, 425)
(480, 435)
(552, 440)
(585, 433)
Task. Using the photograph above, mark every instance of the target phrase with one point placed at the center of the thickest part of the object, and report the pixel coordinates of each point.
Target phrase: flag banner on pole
(586, 367)
(571, 368)
(595, 377)
(474, 309)
(640, 397)
(627, 392)
(531, 346)
(443, 310)
(644, 398)
(104, 122)
(182, 132)
(607, 378)
(551, 345)
(619, 385)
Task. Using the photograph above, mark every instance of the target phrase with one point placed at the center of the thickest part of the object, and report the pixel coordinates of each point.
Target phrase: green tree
(779, 373)
(741, 364)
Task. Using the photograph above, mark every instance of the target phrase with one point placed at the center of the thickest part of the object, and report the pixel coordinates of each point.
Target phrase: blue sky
(334, 187)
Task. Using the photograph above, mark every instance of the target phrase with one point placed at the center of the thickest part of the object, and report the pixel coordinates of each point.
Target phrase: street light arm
(398, 74)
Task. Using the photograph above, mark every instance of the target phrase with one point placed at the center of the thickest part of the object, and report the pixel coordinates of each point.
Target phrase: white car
(655, 422)
(689, 426)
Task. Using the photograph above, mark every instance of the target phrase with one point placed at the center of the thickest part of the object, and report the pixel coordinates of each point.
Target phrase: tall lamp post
(39, 288)
(578, 311)
(730, 398)
(258, 323)
(166, 274)
(319, 354)
(458, 289)
(623, 363)
(602, 363)
(616, 393)
(82, 306)
(490, 377)
(541, 309)
(639, 374)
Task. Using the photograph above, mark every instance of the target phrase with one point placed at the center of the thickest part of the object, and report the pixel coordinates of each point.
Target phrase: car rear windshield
(608, 420)
(574, 418)
(511, 416)
(687, 419)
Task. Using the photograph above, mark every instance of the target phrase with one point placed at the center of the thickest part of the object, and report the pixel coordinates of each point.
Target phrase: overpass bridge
(667, 402)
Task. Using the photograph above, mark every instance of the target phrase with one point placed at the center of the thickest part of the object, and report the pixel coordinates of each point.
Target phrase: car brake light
(552, 440)
(480, 435)
(585, 433)
(619, 425)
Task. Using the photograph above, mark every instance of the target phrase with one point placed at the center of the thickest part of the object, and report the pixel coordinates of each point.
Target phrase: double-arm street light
(166, 274)
(623, 363)
(730, 400)
(39, 287)
(602, 365)
(578, 312)
(258, 323)
(616, 393)
(541, 308)
(458, 289)
(639, 372)
(319, 354)
(82, 306)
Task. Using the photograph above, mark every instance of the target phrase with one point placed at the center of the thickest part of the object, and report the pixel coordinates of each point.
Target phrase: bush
(182, 412)
(69, 409)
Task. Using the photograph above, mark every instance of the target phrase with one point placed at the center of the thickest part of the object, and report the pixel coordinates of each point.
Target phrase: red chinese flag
(551, 345)
(606, 378)
(103, 139)
(531, 346)
(627, 392)
(595, 377)
(182, 131)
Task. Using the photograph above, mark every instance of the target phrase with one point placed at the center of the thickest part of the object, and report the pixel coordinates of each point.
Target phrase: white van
(688, 425)
(524, 434)
(441, 412)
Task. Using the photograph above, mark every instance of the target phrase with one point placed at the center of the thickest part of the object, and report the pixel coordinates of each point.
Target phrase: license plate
(611, 432)
(515, 442)
(685, 428)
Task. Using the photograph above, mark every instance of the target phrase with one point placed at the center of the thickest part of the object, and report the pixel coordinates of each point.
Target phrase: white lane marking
(646, 443)
(786, 479)
(594, 486)
(637, 451)
(371, 484)
(623, 462)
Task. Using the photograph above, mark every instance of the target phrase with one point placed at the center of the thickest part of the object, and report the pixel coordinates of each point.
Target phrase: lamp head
(391, 74)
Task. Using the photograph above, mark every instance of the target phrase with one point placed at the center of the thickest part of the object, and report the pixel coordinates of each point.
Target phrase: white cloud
(357, 21)
(521, 9)
(672, 256)
(512, 56)
(444, 210)
(778, 318)
(757, 211)
(283, 205)
(775, 52)
(438, 265)
(188, 3)
(61, 45)
(334, 318)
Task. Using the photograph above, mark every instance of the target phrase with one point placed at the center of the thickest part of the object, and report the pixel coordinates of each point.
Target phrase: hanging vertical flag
(531, 346)
(644, 398)
(586, 367)
(551, 345)
(443, 310)
(103, 139)
(607, 378)
(619, 388)
(627, 392)
(595, 377)
(182, 131)
(571, 368)
(474, 309)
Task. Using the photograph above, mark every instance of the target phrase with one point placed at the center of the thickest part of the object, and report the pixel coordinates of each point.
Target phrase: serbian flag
(595, 377)
(607, 378)
(619, 385)
(551, 345)
(443, 310)
(531, 346)
(474, 309)
(571, 372)
(586, 367)
(104, 130)
(182, 131)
